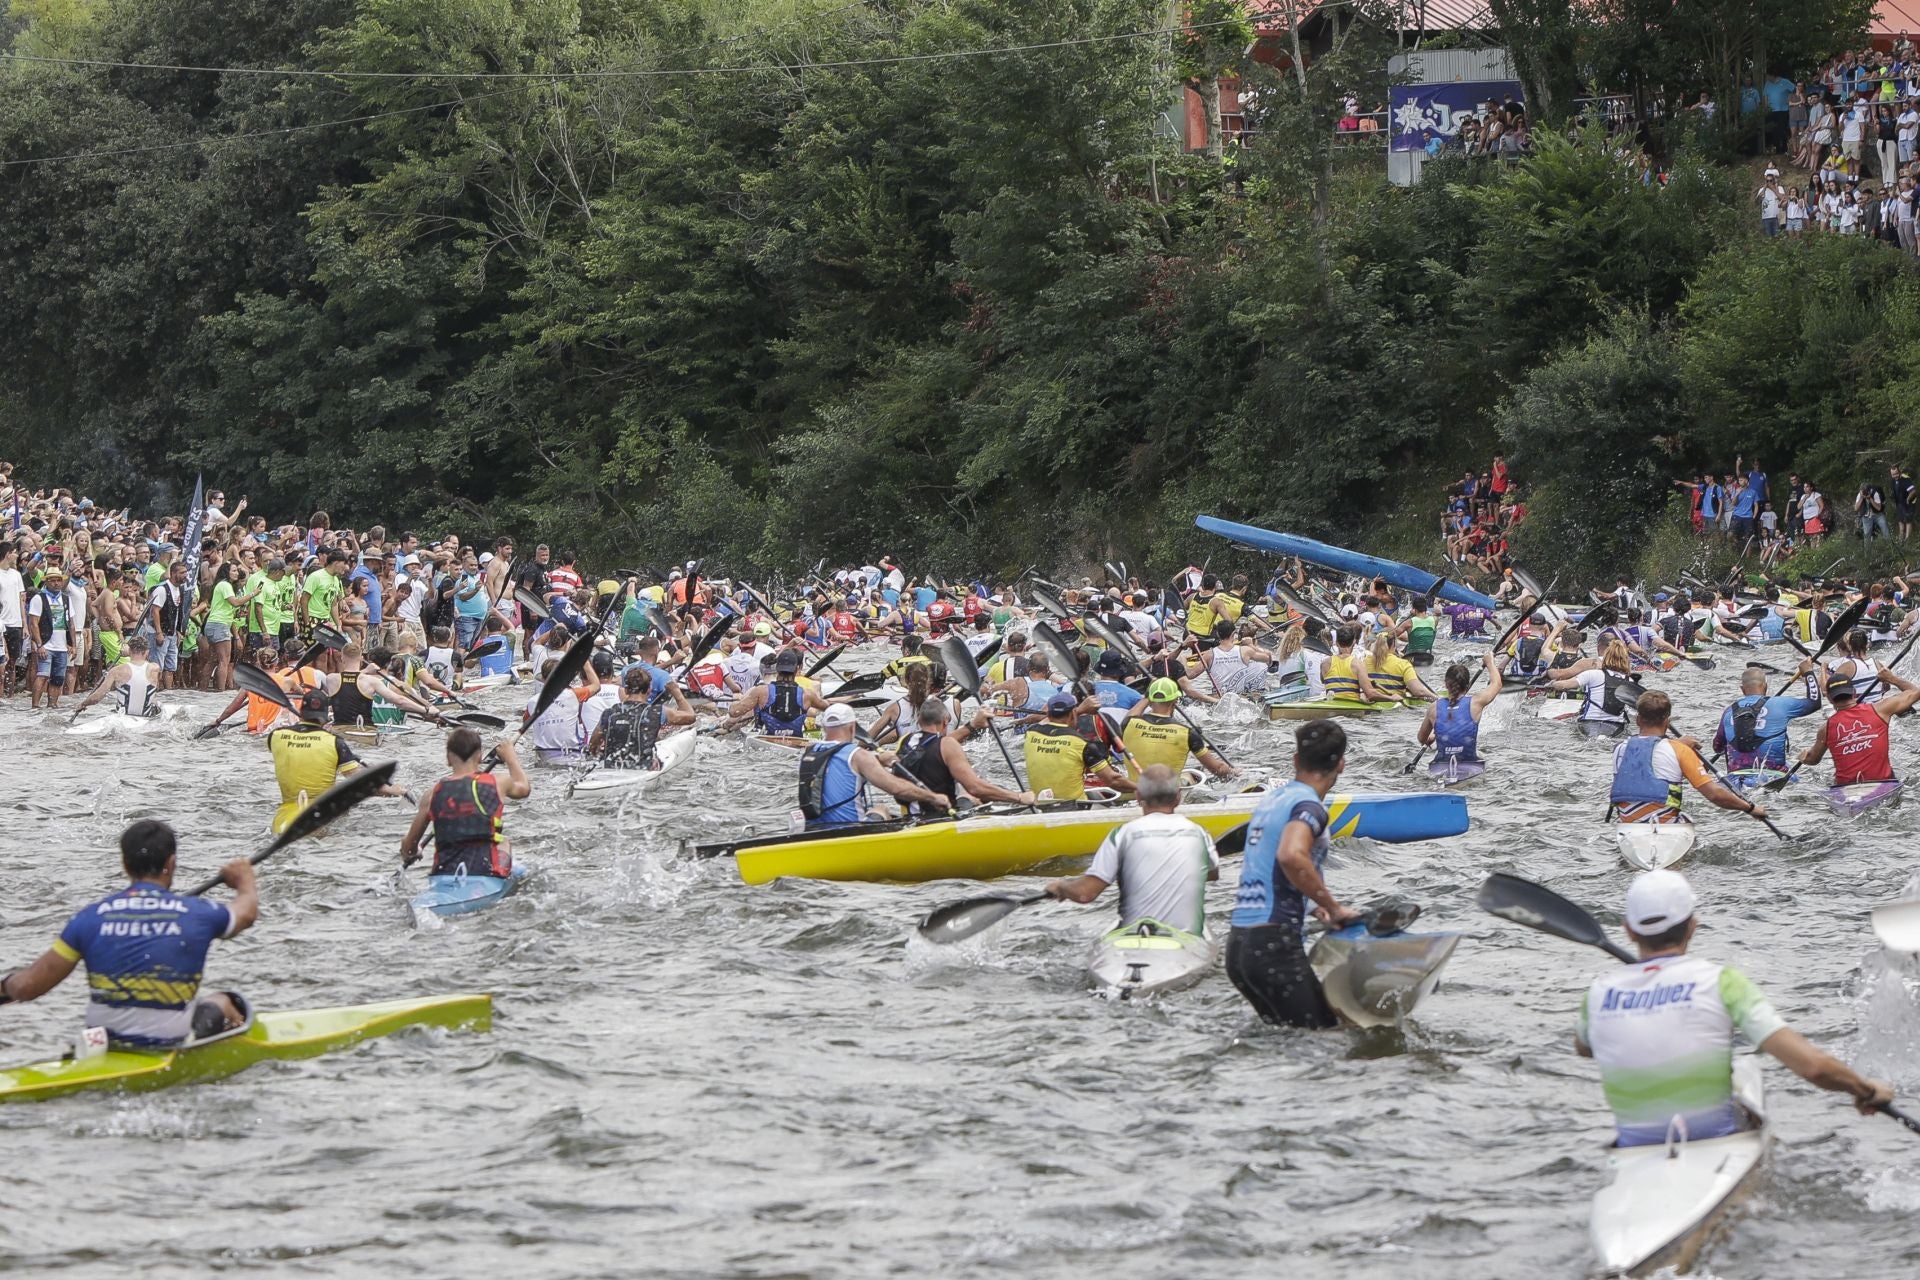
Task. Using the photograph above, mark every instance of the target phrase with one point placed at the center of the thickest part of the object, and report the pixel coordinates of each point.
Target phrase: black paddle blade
(960, 665)
(1538, 907)
(1113, 640)
(486, 648)
(1232, 842)
(826, 660)
(262, 685)
(530, 602)
(713, 637)
(1063, 656)
(479, 720)
(327, 637)
(1047, 600)
(578, 654)
(987, 654)
(860, 684)
(331, 804)
(958, 921)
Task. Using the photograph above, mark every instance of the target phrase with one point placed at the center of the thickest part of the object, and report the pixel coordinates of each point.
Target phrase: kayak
(1600, 728)
(1146, 958)
(782, 741)
(1856, 798)
(120, 722)
(1448, 772)
(1289, 694)
(1650, 846)
(462, 894)
(480, 683)
(305, 1033)
(998, 844)
(360, 735)
(1667, 1200)
(1375, 980)
(1552, 708)
(1404, 576)
(1321, 708)
(671, 752)
(1753, 779)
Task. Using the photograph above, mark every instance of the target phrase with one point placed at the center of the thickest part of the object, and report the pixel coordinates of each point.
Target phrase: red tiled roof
(1895, 17)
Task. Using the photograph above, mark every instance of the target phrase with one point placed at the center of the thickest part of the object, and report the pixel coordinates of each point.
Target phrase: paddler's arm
(743, 709)
(1817, 1067)
(1483, 699)
(115, 678)
(38, 978)
(1081, 888)
(1367, 692)
(1425, 736)
(955, 758)
(416, 831)
(516, 787)
(239, 876)
(1686, 750)
(868, 766)
(1295, 857)
(1817, 749)
(1419, 687)
(1894, 704)
(1893, 681)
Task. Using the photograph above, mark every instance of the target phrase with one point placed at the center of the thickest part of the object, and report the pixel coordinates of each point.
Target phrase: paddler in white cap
(835, 773)
(1662, 1030)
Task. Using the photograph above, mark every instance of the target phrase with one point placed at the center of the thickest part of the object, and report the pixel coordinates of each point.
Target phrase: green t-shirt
(155, 572)
(322, 590)
(220, 607)
(634, 620)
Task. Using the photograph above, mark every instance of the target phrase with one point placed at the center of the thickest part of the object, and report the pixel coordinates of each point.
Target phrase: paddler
(1867, 677)
(1345, 676)
(1857, 734)
(1527, 654)
(145, 948)
(1232, 664)
(1651, 770)
(1201, 616)
(1392, 675)
(308, 758)
(629, 731)
(467, 810)
(352, 689)
(939, 763)
(1602, 710)
(1153, 736)
(836, 771)
(911, 655)
(1161, 861)
(1059, 757)
(1417, 630)
(1753, 729)
(1280, 875)
(780, 708)
(1662, 1030)
(1029, 693)
(133, 683)
(1452, 724)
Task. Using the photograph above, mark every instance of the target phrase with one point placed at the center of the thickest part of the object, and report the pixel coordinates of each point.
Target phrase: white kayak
(1667, 1200)
(1649, 846)
(1148, 957)
(1375, 980)
(101, 724)
(672, 752)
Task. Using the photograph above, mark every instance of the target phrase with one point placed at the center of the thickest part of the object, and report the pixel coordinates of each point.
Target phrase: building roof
(1895, 18)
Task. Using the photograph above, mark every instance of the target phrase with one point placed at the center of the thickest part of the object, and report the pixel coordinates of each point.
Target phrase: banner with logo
(196, 515)
(1420, 112)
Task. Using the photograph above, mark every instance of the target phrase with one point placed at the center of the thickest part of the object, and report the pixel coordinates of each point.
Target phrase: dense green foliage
(968, 309)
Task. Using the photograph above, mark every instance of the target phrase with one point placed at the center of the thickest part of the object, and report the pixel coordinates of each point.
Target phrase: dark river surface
(687, 1076)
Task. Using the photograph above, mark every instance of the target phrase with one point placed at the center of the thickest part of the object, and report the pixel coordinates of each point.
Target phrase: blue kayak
(1403, 576)
(460, 895)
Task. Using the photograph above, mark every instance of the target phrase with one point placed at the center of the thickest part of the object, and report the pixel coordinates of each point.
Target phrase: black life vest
(467, 824)
(785, 710)
(920, 756)
(631, 731)
(1610, 694)
(1526, 655)
(814, 801)
(1678, 629)
(1746, 723)
(350, 706)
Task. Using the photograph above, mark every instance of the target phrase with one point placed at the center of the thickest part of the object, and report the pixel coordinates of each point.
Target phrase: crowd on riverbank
(1479, 516)
(1738, 503)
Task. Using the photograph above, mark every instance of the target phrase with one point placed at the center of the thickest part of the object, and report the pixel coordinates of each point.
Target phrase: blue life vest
(785, 710)
(1039, 693)
(1456, 734)
(1634, 781)
(830, 791)
(1773, 626)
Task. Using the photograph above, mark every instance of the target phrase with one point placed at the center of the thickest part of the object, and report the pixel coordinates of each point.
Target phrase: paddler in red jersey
(467, 809)
(1856, 733)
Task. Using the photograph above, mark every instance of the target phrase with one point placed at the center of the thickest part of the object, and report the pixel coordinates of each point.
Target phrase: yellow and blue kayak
(981, 848)
(307, 1033)
(1321, 708)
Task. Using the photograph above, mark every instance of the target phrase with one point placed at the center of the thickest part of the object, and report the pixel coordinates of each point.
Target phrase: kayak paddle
(571, 664)
(958, 921)
(261, 685)
(1121, 645)
(331, 804)
(1841, 625)
(960, 665)
(1538, 907)
(826, 660)
(485, 649)
(1527, 604)
(1897, 925)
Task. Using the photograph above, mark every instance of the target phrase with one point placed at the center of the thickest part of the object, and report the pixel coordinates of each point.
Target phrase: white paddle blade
(1897, 925)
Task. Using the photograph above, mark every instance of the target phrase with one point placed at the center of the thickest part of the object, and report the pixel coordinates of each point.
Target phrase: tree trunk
(1208, 87)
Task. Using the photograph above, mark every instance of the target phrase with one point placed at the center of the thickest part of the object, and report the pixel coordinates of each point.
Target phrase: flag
(16, 508)
(196, 514)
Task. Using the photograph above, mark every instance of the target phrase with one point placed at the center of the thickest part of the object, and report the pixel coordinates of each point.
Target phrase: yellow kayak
(980, 848)
(1320, 708)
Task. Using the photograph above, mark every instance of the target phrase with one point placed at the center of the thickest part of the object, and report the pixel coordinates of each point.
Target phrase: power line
(615, 73)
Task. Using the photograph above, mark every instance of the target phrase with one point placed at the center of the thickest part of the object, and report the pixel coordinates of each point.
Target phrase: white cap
(486, 557)
(835, 716)
(1349, 610)
(1657, 901)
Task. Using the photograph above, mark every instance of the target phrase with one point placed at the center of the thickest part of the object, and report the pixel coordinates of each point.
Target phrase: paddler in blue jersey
(1452, 725)
(145, 948)
(836, 771)
(1279, 877)
(780, 708)
(1652, 770)
(1753, 730)
(1662, 1030)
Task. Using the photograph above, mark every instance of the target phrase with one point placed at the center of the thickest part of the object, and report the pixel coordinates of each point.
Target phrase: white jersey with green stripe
(1662, 1034)
(1161, 862)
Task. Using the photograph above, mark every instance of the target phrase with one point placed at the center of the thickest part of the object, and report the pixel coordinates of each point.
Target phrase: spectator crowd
(1740, 504)
(1480, 514)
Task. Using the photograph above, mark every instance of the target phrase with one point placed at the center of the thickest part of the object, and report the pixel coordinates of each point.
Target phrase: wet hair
(1290, 643)
(1458, 678)
(638, 680)
(1223, 631)
(1856, 642)
(1655, 709)
(919, 682)
(912, 643)
(1347, 636)
(602, 664)
(1320, 745)
(463, 744)
(145, 848)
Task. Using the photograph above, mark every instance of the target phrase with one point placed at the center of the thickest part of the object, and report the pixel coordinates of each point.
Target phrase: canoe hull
(1856, 798)
(673, 753)
(297, 1034)
(1451, 772)
(1377, 981)
(1666, 1203)
(1649, 846)
(985, 847)
(1322, 708)
(464, 895)
(1147, 958)
(1404, 576)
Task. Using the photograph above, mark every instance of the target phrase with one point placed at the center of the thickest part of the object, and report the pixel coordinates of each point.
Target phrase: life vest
(785, 710)
(1420, 632)
(630, 732)
(1201, 618)
(1746, 723)
(264, 714)
(1640, 794)
(920, 756)
(1057, 761)
(831, 793)
(1154, 740)
(709, 679)
(1456, 734)
(1526, 657)
(350, 706)
(1858, 739)
(1340, 681)
(468, 827)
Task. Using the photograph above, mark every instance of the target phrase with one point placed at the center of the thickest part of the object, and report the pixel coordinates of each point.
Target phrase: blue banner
(1420, 112)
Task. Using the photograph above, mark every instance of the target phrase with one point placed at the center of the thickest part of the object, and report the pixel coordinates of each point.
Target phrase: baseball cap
(486, 557)
(786, 660)
(1838, 685)
(1163, 690)
(1349, 610)
(1111, 663)
(835, 716)
(1659, 597)
(1657, 901)
(313, 706)
(763, 628)
(1061, 703)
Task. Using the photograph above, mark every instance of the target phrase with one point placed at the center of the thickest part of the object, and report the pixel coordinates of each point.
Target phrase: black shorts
(17, 646)
(1268, 965)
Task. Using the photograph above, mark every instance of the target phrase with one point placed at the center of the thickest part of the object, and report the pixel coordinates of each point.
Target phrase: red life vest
(710, 678)
(467, 827)
(940, 616)
(1858, 739)
(845, 624)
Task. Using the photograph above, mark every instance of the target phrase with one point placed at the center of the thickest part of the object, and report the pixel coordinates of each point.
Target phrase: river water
(687, 1076)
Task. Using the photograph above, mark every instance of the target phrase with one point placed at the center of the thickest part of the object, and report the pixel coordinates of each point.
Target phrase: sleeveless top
(1456, 734)
(1858, 739)
(136, 695)
(467, 827)
(785, 710)
(630, 732)
(920, 756)
(350, 706)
